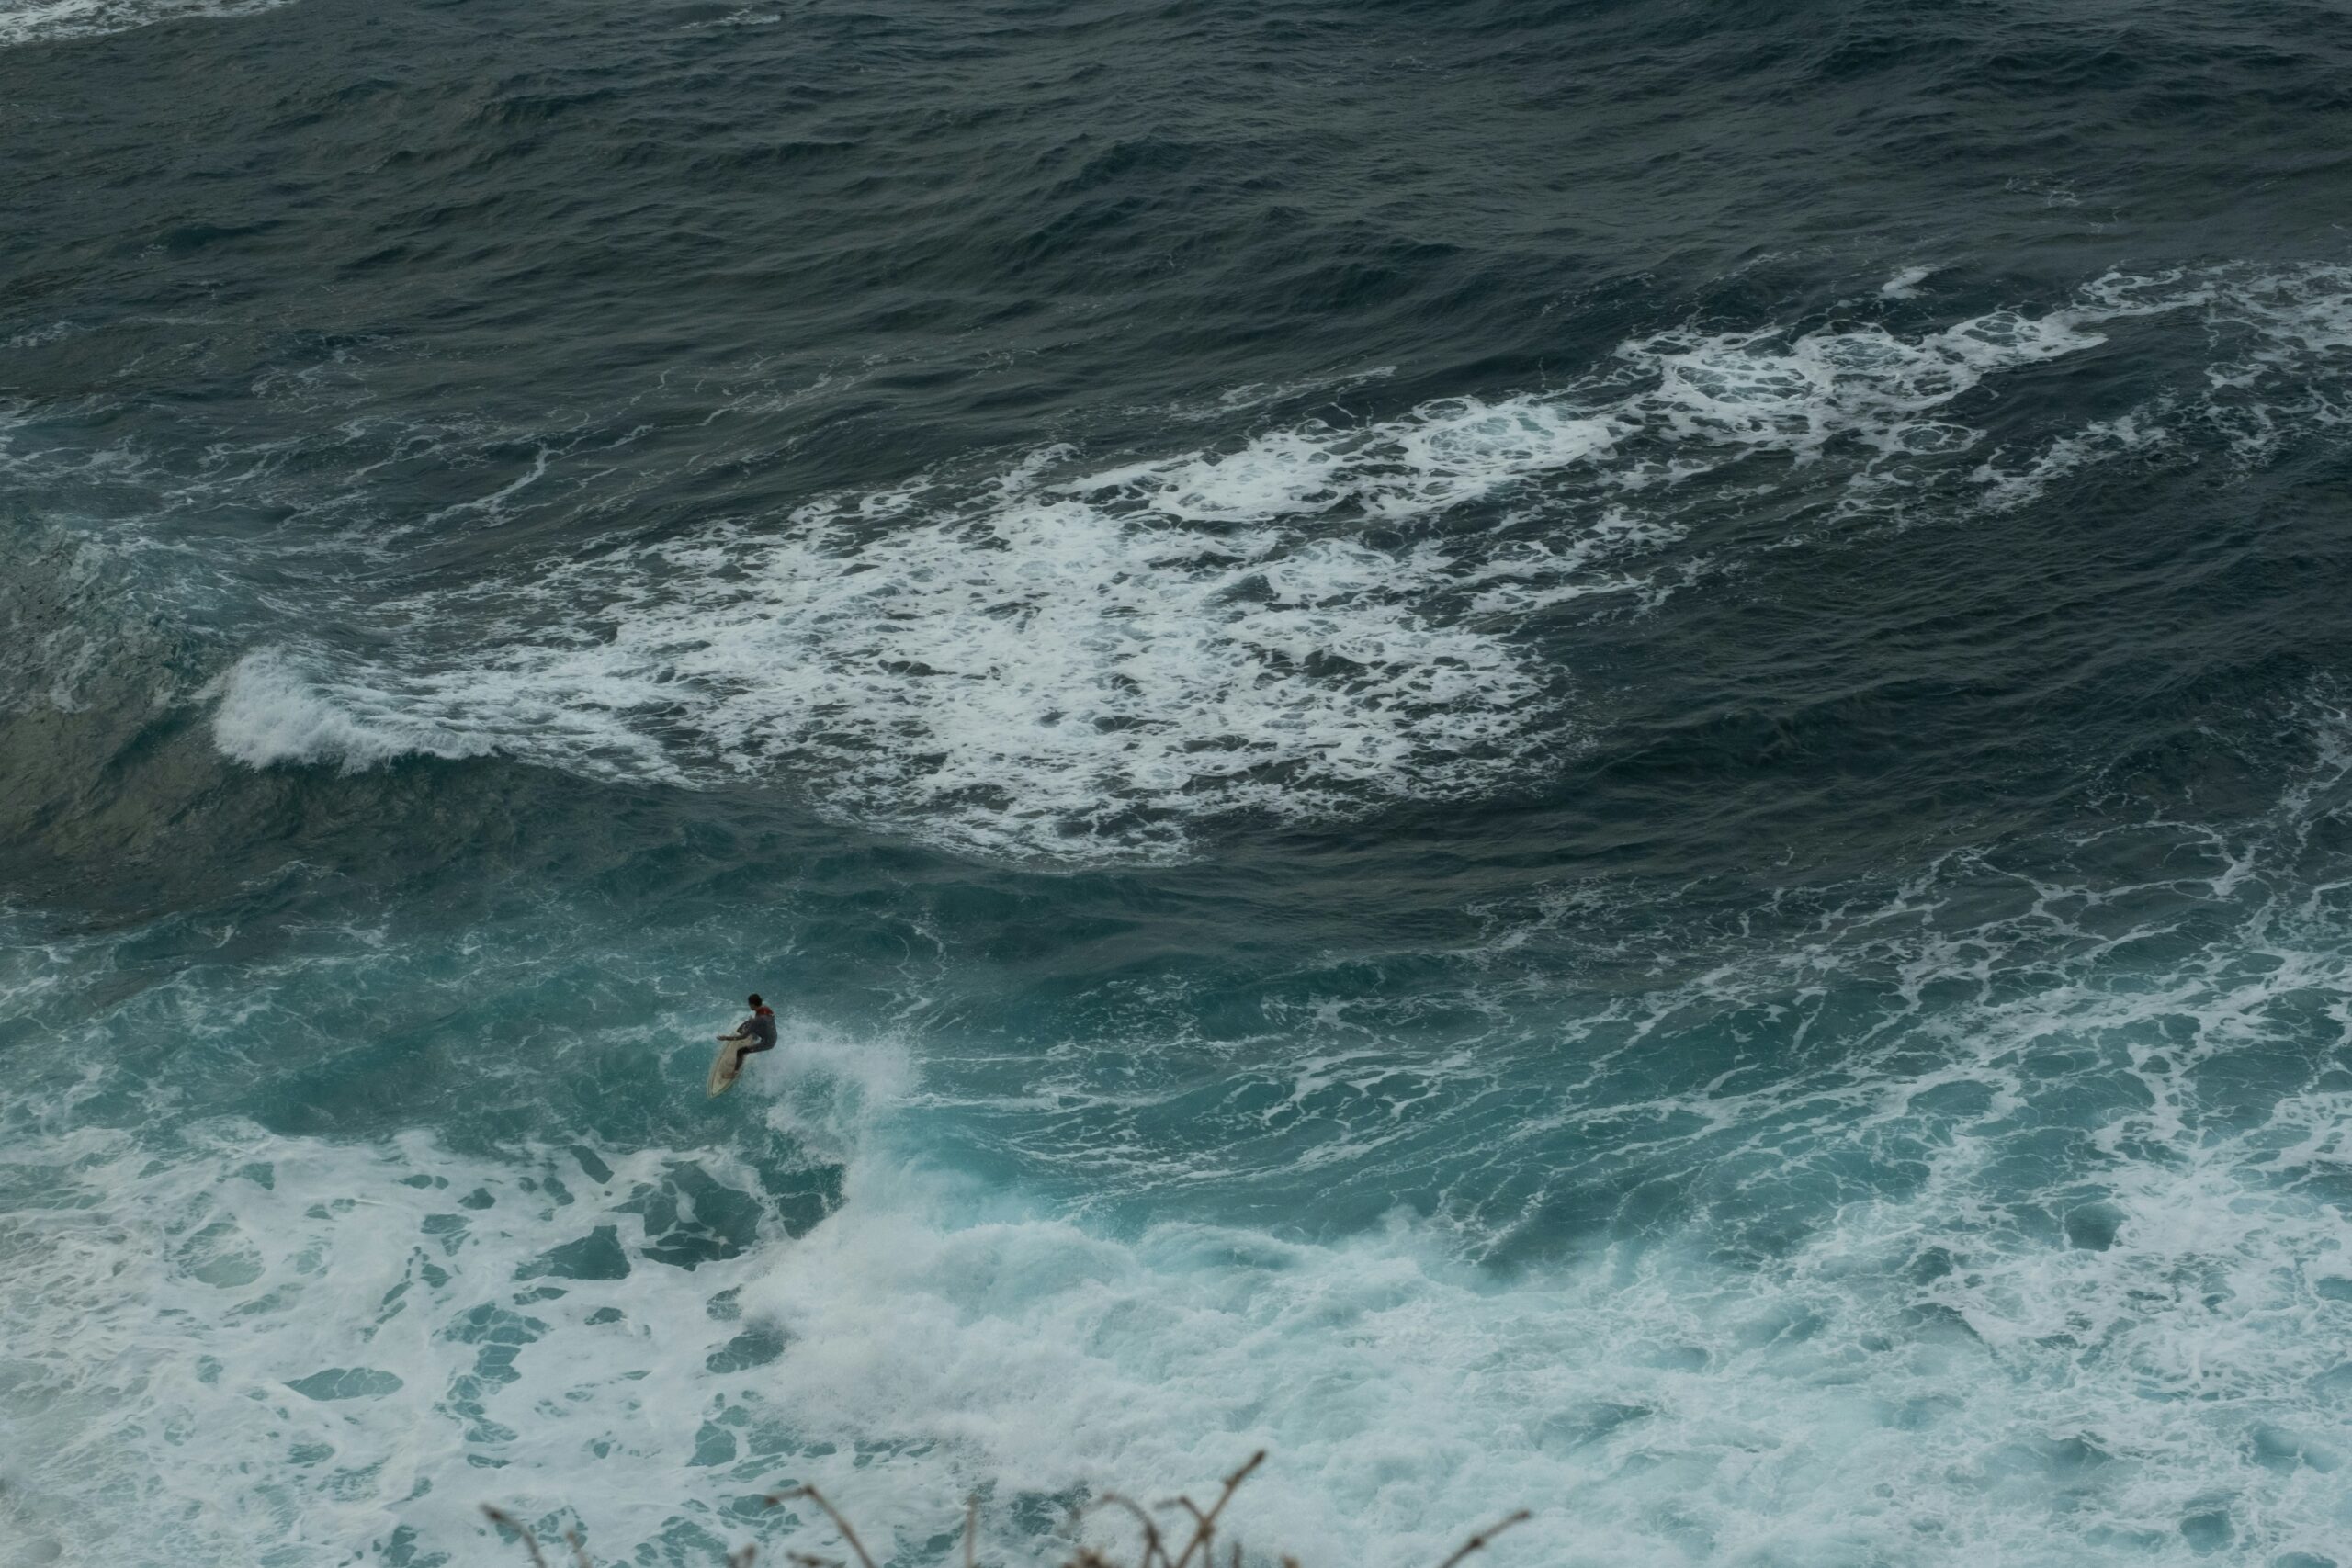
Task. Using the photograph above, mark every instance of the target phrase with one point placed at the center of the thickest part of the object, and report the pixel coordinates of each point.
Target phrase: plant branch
(1477, 1542)
(1151, 1543)
(530, 1541)
(831, 1513)
(1207, 1527)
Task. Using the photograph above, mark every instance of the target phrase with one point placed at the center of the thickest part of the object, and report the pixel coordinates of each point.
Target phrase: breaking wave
(1088, 662)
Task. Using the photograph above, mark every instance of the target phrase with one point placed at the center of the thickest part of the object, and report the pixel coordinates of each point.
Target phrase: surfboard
(726, 1065)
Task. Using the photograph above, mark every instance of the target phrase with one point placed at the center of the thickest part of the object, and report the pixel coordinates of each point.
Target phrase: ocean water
(1585, 757)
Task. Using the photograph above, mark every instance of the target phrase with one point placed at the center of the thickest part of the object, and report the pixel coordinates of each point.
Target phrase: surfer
(756, 1032)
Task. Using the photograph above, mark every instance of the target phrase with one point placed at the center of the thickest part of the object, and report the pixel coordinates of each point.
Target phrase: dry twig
(1203, 1532)
(530, 1541)
(1478, 1541)
(831, 1513)
(1155, 1547)
(1151, 1543)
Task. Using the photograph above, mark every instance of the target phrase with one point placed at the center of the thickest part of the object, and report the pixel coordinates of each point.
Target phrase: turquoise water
(1572, 758)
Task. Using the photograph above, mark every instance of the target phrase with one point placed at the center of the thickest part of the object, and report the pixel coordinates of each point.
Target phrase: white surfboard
(726, 1065)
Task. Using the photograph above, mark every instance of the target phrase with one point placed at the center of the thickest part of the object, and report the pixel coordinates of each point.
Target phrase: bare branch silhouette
(1155, 1554)
(1477, 1542)
(1151, 1543)
(1206, 1528)
(831, 1513)
(530, 1541)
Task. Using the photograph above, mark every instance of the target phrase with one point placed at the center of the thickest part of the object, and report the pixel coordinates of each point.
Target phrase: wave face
(1557, 758)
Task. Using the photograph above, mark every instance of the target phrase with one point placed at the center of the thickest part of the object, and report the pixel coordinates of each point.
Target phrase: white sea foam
(270, 711)
(2035, 1254)
(1037, 668)
(1088, 661)
(1081, 665)
(281, 1350)
(1904, 285)
(273, 708)
(2096, 443)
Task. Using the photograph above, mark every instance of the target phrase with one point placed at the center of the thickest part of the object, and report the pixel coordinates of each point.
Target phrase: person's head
(756, 999)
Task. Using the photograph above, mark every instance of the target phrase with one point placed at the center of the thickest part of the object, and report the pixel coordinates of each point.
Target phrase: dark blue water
(1595, 758)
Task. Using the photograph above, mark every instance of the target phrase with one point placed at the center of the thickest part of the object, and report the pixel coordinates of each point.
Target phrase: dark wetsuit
(761, 1028)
